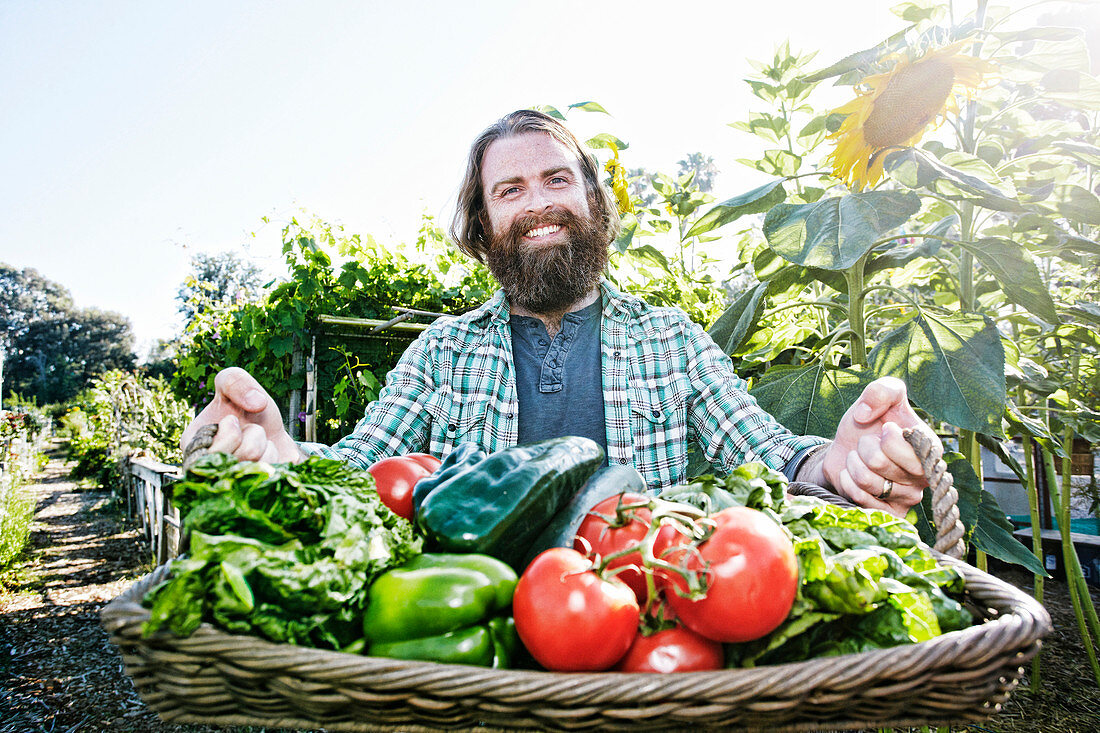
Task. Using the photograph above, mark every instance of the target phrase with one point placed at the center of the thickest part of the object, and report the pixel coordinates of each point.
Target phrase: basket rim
(1013, 621)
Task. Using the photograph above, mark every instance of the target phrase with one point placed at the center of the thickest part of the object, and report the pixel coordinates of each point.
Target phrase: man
(559, 351)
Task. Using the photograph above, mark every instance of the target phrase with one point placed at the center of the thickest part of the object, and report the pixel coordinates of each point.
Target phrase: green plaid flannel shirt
(665, 384)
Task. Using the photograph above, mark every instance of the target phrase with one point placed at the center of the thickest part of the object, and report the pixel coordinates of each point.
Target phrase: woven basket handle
(945, 499)
(199, 445)
(945, 509)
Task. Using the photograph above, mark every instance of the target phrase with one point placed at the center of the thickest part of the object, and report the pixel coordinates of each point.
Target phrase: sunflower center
(912, 98)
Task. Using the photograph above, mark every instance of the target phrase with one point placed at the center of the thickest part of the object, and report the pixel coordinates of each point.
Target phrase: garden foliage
(121, 416)
(969, 271)
(20, 431)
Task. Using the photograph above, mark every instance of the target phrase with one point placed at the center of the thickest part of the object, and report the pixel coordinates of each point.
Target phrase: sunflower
(619, 185)
(893, 109)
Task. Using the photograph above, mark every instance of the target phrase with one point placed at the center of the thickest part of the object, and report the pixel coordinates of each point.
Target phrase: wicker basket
(217, 678)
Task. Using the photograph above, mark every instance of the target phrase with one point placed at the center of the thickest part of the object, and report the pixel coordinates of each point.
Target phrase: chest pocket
(455, 421)
(658, 419)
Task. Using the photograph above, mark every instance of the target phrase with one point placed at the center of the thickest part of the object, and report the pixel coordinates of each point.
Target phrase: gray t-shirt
(558, 381)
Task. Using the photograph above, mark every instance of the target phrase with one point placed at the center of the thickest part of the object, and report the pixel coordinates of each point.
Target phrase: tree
(704, 168)
(217, 280)
(52, 348)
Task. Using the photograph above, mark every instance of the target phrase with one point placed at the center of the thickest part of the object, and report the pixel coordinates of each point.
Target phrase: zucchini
(605, 483)
(497, 505)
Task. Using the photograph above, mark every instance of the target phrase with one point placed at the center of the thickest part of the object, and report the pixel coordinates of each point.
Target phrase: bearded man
(559, 351)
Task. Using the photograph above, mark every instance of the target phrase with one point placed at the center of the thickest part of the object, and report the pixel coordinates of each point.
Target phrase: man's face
(546, 250)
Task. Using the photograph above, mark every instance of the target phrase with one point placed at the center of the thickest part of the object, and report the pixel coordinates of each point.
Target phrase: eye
(509, 191)
(558, 180)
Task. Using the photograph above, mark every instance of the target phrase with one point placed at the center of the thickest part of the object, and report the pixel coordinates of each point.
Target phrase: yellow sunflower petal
(895, 108)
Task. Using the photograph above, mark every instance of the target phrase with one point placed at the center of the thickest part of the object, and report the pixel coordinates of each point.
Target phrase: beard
(548, 278)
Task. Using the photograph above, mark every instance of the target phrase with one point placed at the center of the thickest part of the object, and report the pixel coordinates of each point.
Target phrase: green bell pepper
(499, 504)
(443, 608)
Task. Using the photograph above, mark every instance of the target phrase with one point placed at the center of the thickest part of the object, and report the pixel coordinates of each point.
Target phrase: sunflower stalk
(1036, 532)
(1086, 613)
(855, 278)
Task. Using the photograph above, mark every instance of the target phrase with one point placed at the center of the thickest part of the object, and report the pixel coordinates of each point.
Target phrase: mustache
(564, 219)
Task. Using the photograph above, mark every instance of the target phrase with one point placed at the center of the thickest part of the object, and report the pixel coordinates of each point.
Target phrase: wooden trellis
(305, 401)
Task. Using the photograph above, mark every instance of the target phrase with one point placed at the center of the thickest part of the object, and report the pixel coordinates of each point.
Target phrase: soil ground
(59, 673)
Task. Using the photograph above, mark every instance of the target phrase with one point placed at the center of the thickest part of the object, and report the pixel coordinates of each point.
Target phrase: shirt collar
(616, 305)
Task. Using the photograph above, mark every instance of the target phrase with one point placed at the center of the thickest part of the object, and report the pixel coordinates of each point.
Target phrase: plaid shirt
(665, 384)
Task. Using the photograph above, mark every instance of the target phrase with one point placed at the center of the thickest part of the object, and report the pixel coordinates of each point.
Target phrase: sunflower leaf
(755, 201)
(834, 233)
(589, 107)
(1088, 154)
(787, 279)
(902, 253)
(810, 400)
(605, 140)
(549, 109)
(739, 320)
(958, 176)
(1014, 269)
(985, 522)
(954, 364)
(1077, 203)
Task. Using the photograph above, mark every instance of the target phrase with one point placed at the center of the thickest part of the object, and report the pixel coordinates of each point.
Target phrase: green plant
(959, 265)
(19, 433)
(329, 272)
(123, 415)
(915, 274)
(16, 513)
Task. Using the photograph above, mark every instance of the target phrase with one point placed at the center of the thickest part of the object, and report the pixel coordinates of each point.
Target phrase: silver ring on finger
(887, 489)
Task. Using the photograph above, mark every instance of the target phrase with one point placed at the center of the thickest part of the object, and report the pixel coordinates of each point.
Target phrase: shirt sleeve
(728, 423)
(399, 421)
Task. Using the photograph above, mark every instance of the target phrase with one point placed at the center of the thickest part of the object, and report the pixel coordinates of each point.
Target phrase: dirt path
(58, 670)
(59, 673)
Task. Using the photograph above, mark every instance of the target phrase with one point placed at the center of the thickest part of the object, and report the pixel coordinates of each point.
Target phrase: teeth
(543, 231)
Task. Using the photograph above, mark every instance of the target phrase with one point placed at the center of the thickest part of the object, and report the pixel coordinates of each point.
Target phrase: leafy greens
(286, 552)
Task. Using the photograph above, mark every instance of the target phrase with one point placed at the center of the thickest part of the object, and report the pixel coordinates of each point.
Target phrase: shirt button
(656, 413)
(622, 461)
(617, 354)
(553, 364)
(543, 342)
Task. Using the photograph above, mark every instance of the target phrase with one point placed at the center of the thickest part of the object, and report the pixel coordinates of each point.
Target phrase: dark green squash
(498, 504)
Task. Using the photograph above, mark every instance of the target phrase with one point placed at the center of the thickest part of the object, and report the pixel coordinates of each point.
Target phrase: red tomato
(616, 531)
(569, 618)
(672, 650)
(752, 578)
(395, 477)
(427, 460)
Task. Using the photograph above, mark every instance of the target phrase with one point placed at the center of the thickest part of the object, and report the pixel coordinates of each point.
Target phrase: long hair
(471, 229)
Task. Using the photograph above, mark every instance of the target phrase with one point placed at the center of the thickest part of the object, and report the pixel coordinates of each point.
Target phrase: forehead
(525, 156)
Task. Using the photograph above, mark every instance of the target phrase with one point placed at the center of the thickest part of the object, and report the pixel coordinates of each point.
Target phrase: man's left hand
(869, 461)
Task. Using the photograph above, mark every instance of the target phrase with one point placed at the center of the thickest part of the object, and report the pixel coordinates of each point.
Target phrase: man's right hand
(249, 424)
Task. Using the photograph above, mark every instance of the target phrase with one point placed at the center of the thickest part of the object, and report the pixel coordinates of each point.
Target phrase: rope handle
(945, 499)
(945, 509)
(199, 445)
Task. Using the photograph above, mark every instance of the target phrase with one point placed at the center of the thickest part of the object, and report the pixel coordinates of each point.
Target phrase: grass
(16, 513)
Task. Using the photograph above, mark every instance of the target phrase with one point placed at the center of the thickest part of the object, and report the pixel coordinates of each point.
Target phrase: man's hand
(869, 451)
(249, 424)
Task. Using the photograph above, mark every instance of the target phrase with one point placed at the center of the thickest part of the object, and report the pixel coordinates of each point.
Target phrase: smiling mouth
(544, 231)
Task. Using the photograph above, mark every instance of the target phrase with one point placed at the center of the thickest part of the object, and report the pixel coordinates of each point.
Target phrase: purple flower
(301, 417)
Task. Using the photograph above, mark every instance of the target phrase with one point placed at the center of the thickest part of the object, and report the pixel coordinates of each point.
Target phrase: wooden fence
(147, 500)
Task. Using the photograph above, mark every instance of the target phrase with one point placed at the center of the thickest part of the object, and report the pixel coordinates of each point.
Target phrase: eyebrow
(519, 179)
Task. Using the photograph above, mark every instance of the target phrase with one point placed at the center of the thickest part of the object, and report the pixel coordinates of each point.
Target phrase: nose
(538, 203)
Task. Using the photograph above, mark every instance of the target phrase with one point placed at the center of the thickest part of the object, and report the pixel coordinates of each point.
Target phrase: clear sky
(136, 134)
